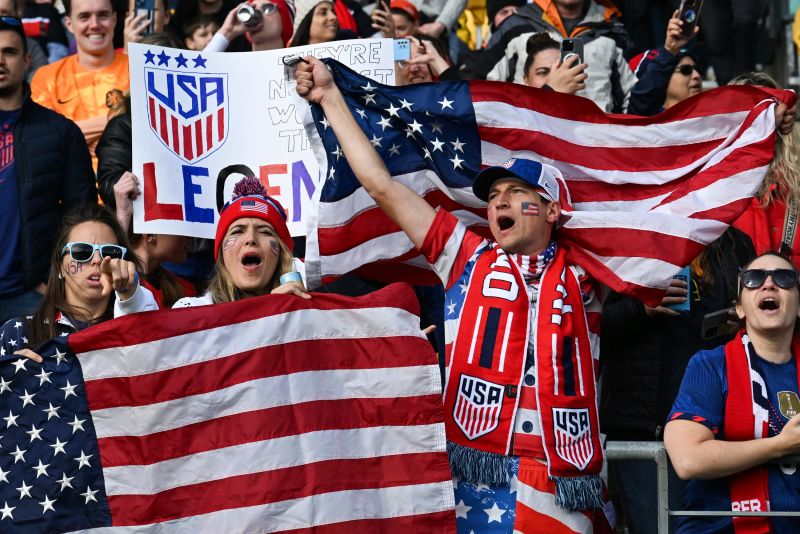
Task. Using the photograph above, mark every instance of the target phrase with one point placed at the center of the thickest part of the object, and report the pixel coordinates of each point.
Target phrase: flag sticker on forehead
(646, 194)
(187, 106)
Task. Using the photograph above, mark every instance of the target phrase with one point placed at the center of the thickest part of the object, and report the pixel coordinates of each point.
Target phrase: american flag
(647, 194)
(265, 415)
(252, 205)
(529, 208)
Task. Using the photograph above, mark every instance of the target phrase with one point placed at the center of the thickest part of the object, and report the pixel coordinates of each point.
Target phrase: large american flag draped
(647, 194)
(264, 415)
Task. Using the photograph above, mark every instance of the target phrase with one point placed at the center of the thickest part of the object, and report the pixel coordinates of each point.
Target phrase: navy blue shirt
(10, 254)
(702, 399)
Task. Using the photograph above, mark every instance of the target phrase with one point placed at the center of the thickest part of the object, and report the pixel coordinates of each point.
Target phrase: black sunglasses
(755, 278)
(83, 252)
(687, 69)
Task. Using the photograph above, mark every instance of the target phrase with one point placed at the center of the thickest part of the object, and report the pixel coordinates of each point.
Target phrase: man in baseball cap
(516, 350)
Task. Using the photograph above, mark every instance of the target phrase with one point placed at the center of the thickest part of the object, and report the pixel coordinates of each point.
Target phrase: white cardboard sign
(202, 119)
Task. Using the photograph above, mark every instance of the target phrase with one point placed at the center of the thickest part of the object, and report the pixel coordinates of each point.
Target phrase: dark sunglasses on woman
(83, 252)
(686, 69)
(755, 278)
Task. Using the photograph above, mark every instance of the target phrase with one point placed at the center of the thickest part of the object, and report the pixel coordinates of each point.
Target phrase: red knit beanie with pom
(250, 199)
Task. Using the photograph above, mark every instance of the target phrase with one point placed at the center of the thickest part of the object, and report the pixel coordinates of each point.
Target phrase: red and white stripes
(191, 140)
(253, 416)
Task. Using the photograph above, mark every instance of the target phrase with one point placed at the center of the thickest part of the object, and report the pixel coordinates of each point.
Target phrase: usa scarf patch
(566, 391)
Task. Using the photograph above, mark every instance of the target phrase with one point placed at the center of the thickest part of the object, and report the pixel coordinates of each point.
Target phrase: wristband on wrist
(292, 276)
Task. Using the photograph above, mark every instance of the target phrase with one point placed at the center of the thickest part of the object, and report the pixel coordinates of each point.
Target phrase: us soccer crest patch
(573, 436)
(478, 405)
(187, 107)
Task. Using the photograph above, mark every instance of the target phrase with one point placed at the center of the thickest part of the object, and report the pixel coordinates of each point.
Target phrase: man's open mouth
(505, 222)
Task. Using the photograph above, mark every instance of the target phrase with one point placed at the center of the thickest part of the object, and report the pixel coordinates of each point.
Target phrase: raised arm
(404, 206)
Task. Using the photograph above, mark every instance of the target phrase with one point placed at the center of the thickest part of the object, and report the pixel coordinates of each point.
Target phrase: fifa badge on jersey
(573, 436)
(478, 405)
(187, 106)
(789, 403)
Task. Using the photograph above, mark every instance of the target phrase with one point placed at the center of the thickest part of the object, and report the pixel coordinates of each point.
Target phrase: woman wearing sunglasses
(93, 277)
(735, 412)
(667, 75)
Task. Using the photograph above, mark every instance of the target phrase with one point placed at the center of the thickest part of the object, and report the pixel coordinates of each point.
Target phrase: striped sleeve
(448, 246)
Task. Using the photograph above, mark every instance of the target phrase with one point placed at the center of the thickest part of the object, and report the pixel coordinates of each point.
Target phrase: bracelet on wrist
(292, 276)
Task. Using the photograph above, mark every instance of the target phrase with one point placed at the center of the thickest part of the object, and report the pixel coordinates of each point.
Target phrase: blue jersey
(702, 399)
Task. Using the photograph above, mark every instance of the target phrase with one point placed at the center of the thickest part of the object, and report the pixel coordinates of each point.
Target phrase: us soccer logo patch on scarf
(186, 106)
(573, 436)
(477, 407)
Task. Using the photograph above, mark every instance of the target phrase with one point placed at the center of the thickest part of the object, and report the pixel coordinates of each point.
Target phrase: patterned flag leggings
(526, 506)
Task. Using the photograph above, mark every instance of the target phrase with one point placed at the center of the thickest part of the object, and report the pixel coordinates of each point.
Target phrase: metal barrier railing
(621, 451)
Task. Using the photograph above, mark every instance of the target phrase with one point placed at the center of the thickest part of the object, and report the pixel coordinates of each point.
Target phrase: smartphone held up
(571, 47)
(689, 13)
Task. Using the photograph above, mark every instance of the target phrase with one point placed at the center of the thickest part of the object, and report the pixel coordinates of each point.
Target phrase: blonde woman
(771, 220)
(252, 249)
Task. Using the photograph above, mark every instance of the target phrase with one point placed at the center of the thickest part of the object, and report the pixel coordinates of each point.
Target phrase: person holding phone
(667, 75)
(144, 17)
(598, 26)
(544, 67)
(735, 415)
(383, 20)
(428, 62)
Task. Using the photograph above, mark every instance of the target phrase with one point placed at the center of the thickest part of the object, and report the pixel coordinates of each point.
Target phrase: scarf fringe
(479, 466)
(579, 493)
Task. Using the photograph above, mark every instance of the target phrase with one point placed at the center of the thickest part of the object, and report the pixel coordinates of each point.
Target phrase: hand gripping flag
(267, 415)
(647, 194)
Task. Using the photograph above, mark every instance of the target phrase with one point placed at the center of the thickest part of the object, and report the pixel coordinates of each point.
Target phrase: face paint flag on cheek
(530, 208)
(228, 243)
(275, 248)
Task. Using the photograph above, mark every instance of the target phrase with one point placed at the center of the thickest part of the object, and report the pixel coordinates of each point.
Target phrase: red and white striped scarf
(745, 420)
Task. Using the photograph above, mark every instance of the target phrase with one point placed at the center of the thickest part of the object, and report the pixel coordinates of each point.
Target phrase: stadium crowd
(71, 259)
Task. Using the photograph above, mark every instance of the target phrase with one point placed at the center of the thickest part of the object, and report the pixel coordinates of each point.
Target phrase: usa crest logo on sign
(477, 407)
(187, 111)
(573, 433)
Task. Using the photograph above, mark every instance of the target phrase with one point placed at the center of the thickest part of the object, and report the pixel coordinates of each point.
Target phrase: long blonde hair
(222, 288)
(782, 181)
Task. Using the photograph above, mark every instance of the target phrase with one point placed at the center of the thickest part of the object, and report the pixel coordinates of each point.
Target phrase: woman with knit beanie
(252, 249)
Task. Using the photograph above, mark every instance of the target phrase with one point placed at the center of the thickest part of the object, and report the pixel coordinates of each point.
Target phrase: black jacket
(54, 174)
(114, 156)
(644, 357)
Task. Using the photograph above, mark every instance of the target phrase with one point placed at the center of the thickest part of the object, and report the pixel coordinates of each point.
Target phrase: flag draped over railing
(264, 415)
(647, 194)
